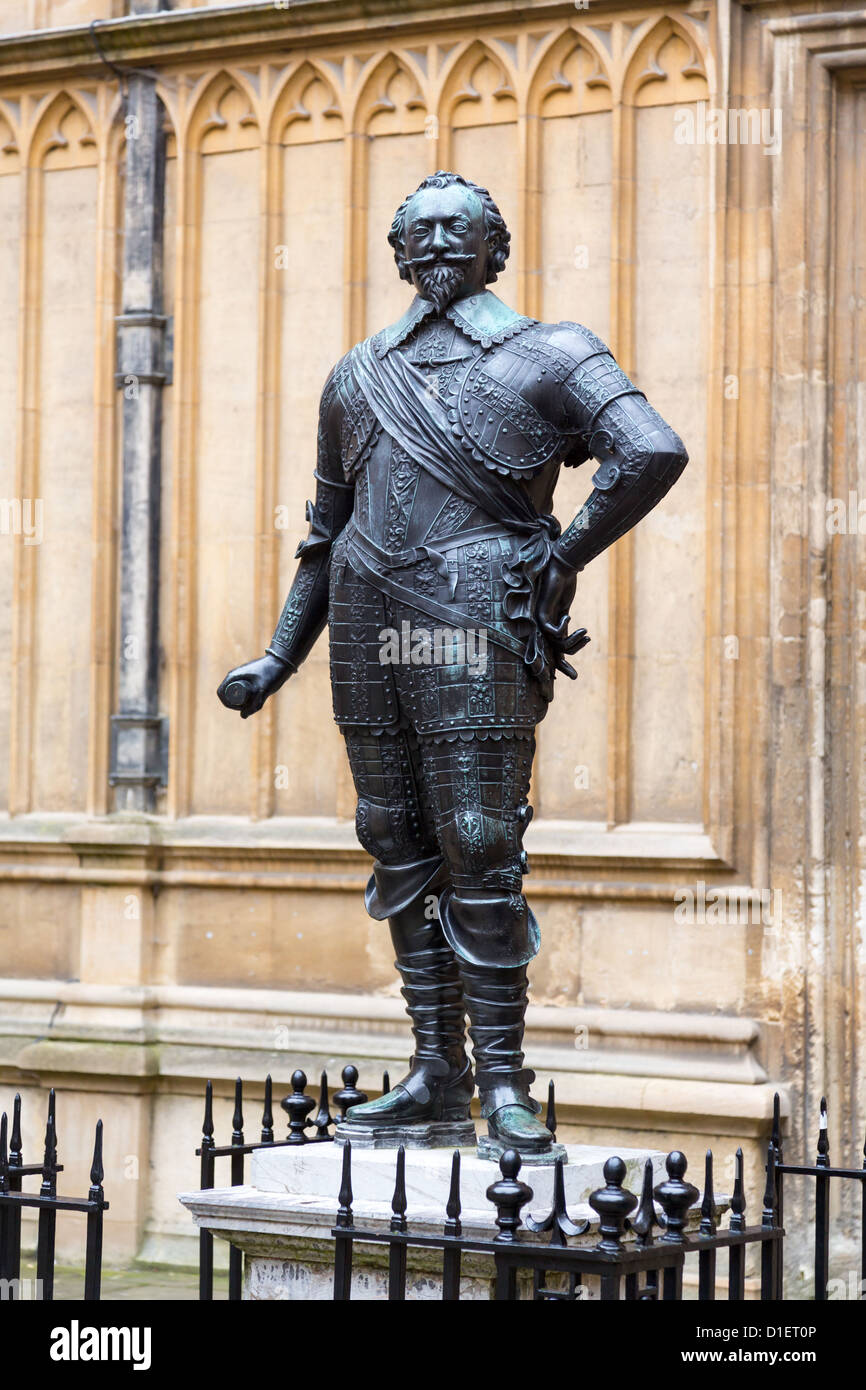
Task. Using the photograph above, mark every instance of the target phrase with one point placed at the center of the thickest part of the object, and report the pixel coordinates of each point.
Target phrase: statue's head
(449, 238)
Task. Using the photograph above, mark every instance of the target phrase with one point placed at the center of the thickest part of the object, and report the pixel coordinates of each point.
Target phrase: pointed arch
(391, 98)
(63, 127)
(307, 107)
(223, 114)
(570, 74)
(665, 64)
(479, 86)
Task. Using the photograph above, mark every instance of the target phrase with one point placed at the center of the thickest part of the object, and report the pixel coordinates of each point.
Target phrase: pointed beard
(440, 283)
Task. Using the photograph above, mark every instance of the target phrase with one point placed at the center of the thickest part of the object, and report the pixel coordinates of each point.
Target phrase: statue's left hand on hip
(556, 593)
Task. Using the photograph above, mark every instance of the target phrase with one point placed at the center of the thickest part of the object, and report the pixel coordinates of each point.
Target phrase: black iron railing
(13, 1198)
(645, 1243)
(823, 1174)
(642, 1269)
(297, 1105)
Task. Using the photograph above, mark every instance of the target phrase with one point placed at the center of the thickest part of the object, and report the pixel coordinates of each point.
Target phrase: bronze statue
(439, 446)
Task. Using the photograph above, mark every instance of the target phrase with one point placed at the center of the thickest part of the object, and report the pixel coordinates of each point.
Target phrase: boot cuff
(394, 887)
(498, 930)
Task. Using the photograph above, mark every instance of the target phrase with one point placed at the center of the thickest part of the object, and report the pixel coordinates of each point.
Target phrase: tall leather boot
(439, 1084)
(496, 998)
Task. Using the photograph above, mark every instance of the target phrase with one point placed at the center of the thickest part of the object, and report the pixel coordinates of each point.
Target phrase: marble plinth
(282, 1219)
(314, 1170)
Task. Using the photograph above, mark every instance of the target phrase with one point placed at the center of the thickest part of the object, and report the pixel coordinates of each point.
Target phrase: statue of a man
(439, 446)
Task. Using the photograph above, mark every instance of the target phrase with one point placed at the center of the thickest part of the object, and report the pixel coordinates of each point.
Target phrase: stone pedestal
(448, 1134)
(283, 1217)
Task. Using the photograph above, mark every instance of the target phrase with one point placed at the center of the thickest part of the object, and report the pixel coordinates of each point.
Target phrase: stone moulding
(248, 28)
(641, 1048)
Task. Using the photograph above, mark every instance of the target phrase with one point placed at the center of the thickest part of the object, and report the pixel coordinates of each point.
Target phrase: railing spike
(386, 1082)
(738, 1197)
(557, 1221)
(823, 1159)
(398, 1201)
(238, 1116)
(645, 1218)
(93, 1258)
(52, 1113)
(344, 1211)
(15, 1146)
(550, 1120)
(322, 1120)
(268, 1112)
(49, 1160)
(453, 1226)
(4, 1161)
(207, 1126)
(776, 1133)
(708, 1205)
(97, 1172)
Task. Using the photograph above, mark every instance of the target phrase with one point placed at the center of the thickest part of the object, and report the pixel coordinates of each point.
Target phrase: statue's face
(445, 246)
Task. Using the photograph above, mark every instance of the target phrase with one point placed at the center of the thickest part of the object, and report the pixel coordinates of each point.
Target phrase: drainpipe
(138, 760)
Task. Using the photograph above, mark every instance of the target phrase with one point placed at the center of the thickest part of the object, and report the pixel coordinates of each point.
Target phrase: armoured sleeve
(640, 456)
(305, 611)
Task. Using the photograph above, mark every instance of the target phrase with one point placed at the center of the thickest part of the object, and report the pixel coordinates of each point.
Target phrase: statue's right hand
(247, 687)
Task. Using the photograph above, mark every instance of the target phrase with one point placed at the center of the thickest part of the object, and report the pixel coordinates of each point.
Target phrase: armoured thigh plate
(479, 790)
(364, 691)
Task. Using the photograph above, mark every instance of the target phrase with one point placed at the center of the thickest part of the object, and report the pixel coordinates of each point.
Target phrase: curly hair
(496, 233)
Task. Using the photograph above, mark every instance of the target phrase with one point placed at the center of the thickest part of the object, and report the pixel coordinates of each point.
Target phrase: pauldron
(593, 384)
(359, 428)
(491, 403)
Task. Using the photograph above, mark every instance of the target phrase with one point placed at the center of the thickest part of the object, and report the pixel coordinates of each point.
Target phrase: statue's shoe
(421, 1096)
(518, 1128)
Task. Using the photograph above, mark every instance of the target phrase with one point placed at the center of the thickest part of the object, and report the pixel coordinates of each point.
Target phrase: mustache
(420, 262)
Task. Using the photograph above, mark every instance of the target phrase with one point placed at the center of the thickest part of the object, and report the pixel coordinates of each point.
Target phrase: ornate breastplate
(504, 396)
(491, 406)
